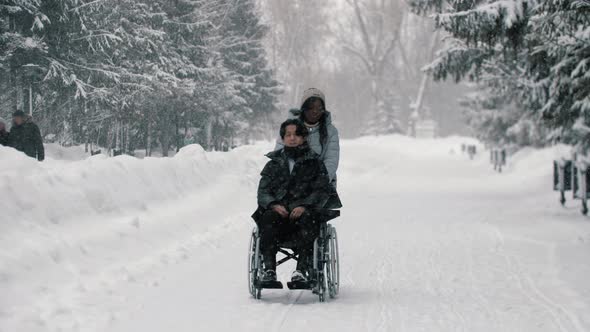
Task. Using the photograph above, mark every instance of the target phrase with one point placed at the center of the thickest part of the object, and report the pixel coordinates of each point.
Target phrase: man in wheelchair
(291, 195)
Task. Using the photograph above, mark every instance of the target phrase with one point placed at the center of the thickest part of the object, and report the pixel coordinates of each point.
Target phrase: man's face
(18, 120)
(314, 113)
(291, 138)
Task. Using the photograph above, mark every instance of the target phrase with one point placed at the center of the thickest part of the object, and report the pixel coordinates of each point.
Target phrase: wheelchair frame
(325, 273)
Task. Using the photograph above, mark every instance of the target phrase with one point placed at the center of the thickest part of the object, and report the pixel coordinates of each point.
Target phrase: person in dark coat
(292, 193)
(4, 135)
(25, 136)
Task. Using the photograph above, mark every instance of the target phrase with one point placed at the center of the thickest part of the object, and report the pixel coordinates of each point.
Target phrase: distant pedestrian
(25, 136)
(4, 135)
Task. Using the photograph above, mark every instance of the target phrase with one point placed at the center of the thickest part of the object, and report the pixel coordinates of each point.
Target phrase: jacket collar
(279, 155)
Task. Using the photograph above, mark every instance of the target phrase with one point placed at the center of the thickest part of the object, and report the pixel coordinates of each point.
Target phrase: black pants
(274, 229)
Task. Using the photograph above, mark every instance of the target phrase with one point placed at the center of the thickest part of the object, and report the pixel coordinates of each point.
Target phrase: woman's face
(314, 113)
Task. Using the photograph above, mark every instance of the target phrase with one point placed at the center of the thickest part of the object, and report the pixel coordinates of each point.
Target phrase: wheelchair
(325, 272)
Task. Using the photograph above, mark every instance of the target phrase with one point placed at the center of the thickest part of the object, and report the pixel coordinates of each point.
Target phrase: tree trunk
(30, 99)
(425, 76)
(165, 138)
(209, 133)
(117, 135)
(127, 138)
(148, 130)
(18, 90)
(85, 127)
(110, 134)
(176, 130)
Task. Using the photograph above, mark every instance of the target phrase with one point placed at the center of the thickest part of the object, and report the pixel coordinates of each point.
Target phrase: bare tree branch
(364, 32)
(360, 56)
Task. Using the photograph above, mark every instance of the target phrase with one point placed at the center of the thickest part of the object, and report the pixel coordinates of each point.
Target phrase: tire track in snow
(437, 276)
(385, 310)
(284, 313)
(560, 314)
(477, 294)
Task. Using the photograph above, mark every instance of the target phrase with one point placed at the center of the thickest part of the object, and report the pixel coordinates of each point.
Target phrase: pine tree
(245, 56)
(135, 73)
(386, 119)
(22, 51)
(560, 65)
(486, 44)
(530, 60)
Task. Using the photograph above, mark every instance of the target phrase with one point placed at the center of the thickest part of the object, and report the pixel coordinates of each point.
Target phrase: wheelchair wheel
(320, 268)
(254, 264)
(333, 263)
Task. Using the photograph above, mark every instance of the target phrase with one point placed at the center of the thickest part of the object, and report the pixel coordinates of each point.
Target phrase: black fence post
(583, 181)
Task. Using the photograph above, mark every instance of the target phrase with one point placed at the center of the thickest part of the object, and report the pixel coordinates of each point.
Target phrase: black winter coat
(308, 185)
(27, 138)
(4, 138)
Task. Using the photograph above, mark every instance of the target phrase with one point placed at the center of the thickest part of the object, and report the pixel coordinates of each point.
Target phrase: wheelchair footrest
(299, 284)
(270, 284)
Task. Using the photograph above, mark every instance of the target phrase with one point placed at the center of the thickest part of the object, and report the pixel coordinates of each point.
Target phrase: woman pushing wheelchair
(323, 136)
(295, 197)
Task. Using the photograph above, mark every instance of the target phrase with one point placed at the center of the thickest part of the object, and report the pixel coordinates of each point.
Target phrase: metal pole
(561, 168)
(30, 99)
(425, 76)
(583, 189)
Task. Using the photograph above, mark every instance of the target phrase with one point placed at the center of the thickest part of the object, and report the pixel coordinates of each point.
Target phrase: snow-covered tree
(132, 73)
(244, 55)
(530, 59)
(560, 68)
(386, 119)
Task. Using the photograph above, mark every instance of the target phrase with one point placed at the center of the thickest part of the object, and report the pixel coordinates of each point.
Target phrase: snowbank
(530, 162)
(55, 192)
(54, 151)
(70, 227)
(58, 191)
(423, 148)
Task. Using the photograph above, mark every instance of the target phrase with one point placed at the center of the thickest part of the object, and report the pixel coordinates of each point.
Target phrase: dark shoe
(269, 280)
(269, 276)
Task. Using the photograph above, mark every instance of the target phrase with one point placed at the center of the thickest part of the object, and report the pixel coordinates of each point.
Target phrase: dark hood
(279, 154)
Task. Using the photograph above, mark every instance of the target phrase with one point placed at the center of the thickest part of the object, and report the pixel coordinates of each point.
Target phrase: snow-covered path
(430, 241)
